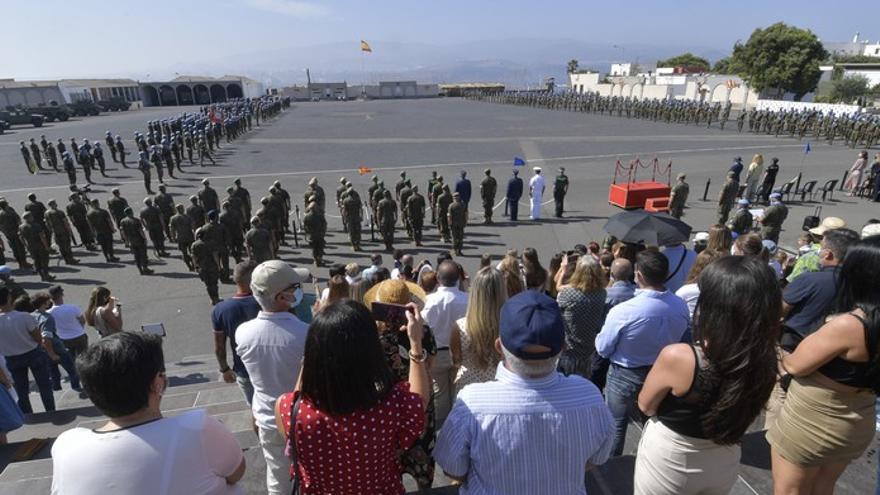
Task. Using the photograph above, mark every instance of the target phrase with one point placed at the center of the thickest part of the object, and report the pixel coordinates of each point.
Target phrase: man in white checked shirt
(532, 430)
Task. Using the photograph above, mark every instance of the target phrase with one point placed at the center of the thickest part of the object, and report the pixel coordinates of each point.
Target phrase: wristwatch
(224, 369)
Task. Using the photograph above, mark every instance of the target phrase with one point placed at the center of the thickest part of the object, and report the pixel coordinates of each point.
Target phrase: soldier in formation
(183, 233)
(742, 220)
(352, 213)
(103, 226)
(514, 192)
(386, 211)
(774, 216)
(678, 196)
(727, 197)
(315, 228)
(205, 262)
(488, 189)
(457, 222)
(61, 231)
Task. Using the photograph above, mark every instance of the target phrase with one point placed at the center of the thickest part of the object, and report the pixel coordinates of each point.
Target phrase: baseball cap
(770, 245)
(5, 270)
(743, 202)
(868, 231)
(271, 277)
(55, 290)
(701, 237)
(531, 318)
(828, 223)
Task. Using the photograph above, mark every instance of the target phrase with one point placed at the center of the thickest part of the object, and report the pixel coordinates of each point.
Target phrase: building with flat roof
(60, 91)
(199, 90)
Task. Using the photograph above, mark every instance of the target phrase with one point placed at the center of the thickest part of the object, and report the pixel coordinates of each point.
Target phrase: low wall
(837, 108)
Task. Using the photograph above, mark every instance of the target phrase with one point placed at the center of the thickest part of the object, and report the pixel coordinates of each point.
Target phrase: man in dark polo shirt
(225, 319)
(806, 300)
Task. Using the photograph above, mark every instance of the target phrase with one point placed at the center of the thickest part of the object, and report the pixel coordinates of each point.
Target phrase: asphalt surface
(328, 140)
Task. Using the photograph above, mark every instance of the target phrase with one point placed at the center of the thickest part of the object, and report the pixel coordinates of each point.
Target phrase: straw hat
(395, 292)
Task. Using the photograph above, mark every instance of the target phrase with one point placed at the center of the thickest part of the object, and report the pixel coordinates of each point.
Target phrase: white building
(622, 70)
(199, 90)
(853, 48)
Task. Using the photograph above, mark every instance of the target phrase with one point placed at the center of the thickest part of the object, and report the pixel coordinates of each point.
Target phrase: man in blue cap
(496, 430)
(741, 223)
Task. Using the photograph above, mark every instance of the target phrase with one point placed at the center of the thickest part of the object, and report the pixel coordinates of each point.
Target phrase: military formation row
(855, 129)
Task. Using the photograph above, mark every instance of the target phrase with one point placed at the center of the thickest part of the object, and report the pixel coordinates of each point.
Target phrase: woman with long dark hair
(827, 419)
(703, 397)
(353, 416)
(104, 312)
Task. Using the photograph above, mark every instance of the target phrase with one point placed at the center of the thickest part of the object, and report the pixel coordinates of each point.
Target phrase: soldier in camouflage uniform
(386, 211)
(208, 197)
(488, 189)
(58, 224)
(434, 195)
(259, 243)
(165, 203)
(560, 189)
(315, 227)
(205, 261)
(457, 221)
(214, 235)
(244, 196)
(726, 197)
(117, 205)
(402, 198)
(39, 211)
(774, 216)
(399, 186)
(444, 199)
(182, 233)
(155, 226)
(678, 197)
(9, 225)
(430, 192)
(232, 224)
(34, 235)
(415, 212)
(77, 211)
(351, 213)
(101, 223)
(133, 232)
(340, 192)
(741, 223)
(314, 190)
(195, 212)
(286, 204)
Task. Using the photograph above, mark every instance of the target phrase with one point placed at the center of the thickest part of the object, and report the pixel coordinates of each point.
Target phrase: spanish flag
(365, 47)
(364, 170)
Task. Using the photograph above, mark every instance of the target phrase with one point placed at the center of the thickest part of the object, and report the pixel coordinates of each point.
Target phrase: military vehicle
(51, 113)
(85, 107)
(3, 126)
(115, 104)
(18, 117)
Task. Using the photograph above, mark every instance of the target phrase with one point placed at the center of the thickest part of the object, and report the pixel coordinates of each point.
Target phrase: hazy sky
(78, 38)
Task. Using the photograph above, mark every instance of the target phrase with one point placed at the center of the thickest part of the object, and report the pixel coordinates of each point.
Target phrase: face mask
(297, 298)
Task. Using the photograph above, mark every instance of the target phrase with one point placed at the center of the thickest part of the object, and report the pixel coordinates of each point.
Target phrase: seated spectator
(380, 275)
(58, 354)
(418, 460)
(606, 259)
(720, 239)
(806, 301)
(809, 260)
(690, 291)
(773, 262)
(21, 347)
(69, 322)
(271, 349)
(137, 448)
(472, 342)
(633, 335)
(828, 417)
(593, 248)
(582, 303)
(423, 267)
(352, 273)
(701, 239)
(370, 271)
(337, 288)
(406, 260)
(621, 288)
(104, 312)
(428, 282)
(681, 259)
(534, 275)
(347, 385)
(702, 398)
(336, 269)
(532, 430)
(552, 270)
(358, 289)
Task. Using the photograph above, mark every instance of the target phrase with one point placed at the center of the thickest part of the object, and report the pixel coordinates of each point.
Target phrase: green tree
(781, 57)
(723, 66)
(685, 60)
(572, 66)
(850, 88)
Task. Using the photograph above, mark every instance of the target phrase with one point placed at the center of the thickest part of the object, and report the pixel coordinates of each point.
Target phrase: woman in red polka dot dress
(354, 419)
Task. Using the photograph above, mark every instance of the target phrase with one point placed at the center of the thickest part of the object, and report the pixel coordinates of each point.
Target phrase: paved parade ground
(329, 140)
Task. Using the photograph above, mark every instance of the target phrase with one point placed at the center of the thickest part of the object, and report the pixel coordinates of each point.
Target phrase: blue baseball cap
(531, 318)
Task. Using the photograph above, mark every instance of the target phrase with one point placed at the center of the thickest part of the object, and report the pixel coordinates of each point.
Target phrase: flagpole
(363, 76)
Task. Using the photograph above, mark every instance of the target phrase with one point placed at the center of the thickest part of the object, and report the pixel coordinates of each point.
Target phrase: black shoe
(146, 271)
(56, 387)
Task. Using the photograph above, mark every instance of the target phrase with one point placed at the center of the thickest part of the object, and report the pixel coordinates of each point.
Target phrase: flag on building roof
(518, 162)
(365, 47)
(364, 170)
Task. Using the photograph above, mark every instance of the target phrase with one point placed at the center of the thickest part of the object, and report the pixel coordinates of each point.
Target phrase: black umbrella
(642, 227)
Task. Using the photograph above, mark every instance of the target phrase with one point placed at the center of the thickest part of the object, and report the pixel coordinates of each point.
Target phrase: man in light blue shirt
(622, 288)
(375, 265)
(681, 259)
(634, 333)
(532, 430)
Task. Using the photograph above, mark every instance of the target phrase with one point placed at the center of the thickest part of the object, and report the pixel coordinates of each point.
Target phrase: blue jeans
(66, 362)
(38, 362)
(621, 392)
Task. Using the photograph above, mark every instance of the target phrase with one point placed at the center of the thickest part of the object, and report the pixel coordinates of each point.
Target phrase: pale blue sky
(78, 38)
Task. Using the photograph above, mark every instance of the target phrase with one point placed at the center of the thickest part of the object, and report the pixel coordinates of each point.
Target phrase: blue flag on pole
(518, 162)
(807, 148)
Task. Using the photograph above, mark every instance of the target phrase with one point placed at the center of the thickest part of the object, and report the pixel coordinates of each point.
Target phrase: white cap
(271, 277)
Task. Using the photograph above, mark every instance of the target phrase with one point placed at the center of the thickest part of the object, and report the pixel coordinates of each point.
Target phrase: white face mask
(297, 298)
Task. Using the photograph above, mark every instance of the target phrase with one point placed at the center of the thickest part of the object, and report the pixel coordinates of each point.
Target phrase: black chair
(786, 188)
(828, 189)
(808, 188)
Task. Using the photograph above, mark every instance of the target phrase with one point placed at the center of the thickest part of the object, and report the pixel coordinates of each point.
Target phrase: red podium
(633, 193)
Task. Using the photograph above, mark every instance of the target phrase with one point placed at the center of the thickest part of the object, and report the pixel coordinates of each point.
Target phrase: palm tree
(572, 66)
